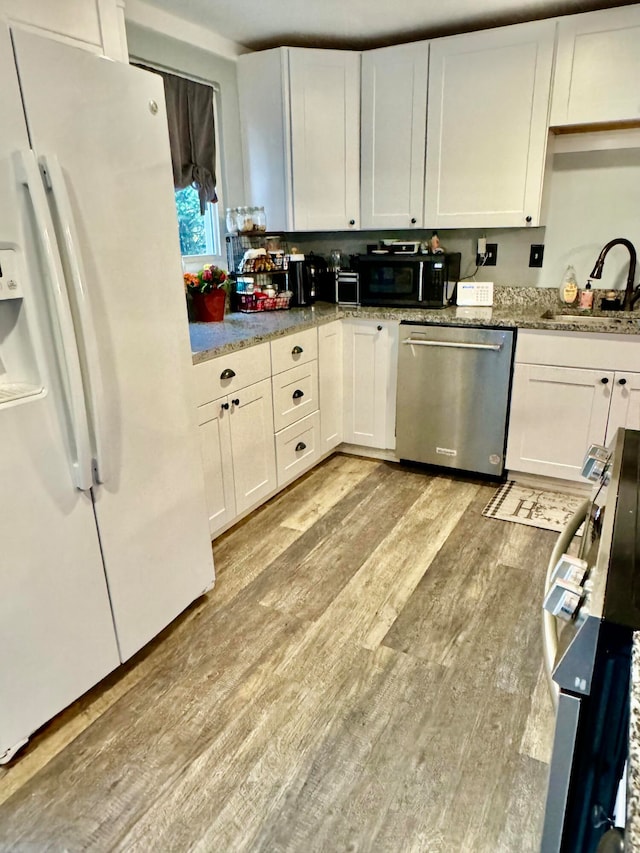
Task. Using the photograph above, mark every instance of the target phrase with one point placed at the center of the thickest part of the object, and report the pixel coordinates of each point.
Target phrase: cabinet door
(215, 445)
(556, 413)
(325, 138)
(393, 135)
(625, 404)
(371, 354)
(487, 126)
(330, 381)
(95, 25)
(596, 61)
(252, 444)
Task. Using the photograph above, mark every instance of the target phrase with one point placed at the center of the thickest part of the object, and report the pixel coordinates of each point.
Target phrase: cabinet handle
(604, 380)
(297, 394)
(622, 381)
(227, 374)
(236, 402)
(379, 328)
(225, 406)
(300, 446)
(527, 219)
(297, 351)
(352, 222)
(413, 220)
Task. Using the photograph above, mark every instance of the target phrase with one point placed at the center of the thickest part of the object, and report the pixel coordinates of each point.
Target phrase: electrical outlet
(536, 254)
(489, 258)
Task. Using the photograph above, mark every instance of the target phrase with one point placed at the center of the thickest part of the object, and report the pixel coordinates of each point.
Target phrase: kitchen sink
(589, 320)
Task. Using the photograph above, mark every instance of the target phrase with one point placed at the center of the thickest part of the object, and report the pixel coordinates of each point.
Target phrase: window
(199, 235)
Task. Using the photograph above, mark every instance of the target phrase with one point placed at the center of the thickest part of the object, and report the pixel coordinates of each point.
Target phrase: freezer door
(56, 631)
(109, 137)
(453, 394)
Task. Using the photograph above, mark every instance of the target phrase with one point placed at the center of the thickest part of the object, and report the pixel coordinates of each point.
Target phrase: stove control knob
(563, 599)
(595, 462)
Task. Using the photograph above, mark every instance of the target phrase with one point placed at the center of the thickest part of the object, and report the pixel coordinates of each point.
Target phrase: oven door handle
(549, 622)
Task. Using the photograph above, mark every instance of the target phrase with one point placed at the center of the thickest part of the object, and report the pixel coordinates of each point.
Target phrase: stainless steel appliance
(453, 395)
(408, 281)
(592, 606)
(304, 275)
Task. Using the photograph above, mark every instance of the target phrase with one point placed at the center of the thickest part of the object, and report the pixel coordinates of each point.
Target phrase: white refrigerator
(103, 527)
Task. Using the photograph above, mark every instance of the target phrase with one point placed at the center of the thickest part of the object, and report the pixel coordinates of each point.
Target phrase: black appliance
(596, 595)
(408, 281)
(306, 276)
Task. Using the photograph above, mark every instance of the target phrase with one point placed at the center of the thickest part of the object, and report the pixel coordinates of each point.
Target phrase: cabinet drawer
(293, 350)
(297, 448)
(295, 394)
(577, 349)
(245, 367)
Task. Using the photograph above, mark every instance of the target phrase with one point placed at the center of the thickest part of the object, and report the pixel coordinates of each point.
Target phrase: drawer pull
(300, 446)
(236, 402)
(225, 406)
(297, 351)
(227, 374)
(297, 394)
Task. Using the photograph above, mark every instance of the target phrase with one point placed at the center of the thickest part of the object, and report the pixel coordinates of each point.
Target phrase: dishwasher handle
(453, 344)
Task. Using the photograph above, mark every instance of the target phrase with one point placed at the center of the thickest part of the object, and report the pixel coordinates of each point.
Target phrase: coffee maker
(306, 274)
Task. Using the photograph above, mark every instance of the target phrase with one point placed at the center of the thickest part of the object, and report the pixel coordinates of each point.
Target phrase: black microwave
(408, 281)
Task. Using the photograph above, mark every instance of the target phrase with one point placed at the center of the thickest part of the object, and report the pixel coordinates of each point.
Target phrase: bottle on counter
(586, 298)
(569, 287)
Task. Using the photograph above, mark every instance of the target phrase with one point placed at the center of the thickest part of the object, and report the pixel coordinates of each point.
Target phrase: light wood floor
(366, 676)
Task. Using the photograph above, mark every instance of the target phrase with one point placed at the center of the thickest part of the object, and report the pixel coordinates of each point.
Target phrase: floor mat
(532, 506)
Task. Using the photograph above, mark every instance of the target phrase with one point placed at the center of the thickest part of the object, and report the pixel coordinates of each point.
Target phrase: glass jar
(231, 220)
(259, 219)
(247, 219)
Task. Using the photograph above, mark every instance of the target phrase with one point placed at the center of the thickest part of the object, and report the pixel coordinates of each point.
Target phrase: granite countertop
(514, 307)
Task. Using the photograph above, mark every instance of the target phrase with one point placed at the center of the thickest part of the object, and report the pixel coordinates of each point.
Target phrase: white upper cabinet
(597, 76)
(300, 114)
(393, 135)
(487, 126)
(95, 25)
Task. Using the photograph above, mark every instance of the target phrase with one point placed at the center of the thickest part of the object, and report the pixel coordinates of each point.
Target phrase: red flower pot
(209, 307)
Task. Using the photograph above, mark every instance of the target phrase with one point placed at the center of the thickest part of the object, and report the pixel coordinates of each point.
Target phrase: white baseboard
(551, 484)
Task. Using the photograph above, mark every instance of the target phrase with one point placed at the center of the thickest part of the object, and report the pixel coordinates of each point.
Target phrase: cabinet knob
(622, 381)
(297, 351)
(352, 222)
(413, 220)
(300, 446)
(227, 374)
(236, 402)
(224, 406)
(379, 328)
(604, 380)
(527, 218)
(297, 394)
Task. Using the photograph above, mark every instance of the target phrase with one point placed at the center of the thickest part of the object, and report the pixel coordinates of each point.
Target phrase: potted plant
(207, 291)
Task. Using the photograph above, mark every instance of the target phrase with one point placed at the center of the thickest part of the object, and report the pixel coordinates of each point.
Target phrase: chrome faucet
(631, 294)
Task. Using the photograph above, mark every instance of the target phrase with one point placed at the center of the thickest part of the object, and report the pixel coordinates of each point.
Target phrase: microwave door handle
(28, 173)
(549, 622)
(88, 337)
(421, 281)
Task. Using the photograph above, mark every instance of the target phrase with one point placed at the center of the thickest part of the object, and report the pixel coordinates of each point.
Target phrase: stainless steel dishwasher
(453, 395)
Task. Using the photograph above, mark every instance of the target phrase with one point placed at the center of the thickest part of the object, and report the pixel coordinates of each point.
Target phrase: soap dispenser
(569, 287)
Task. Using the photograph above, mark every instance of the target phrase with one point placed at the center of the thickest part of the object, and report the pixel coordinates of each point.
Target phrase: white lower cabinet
(370, 368)
(295, 394)
(238, 452)
(298, 448)
(559, 409)
(330, 385)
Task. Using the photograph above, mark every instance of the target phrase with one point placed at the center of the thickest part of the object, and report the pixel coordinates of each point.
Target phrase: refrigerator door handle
(549, 624)
(28, 173)
(84, 318)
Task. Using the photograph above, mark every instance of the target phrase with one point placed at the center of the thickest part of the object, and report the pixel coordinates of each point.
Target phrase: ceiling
(259, 24)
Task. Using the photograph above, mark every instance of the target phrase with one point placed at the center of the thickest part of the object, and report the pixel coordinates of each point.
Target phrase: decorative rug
(535, 507)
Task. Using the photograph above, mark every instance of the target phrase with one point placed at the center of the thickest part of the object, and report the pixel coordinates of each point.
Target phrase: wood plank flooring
(365, 676)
